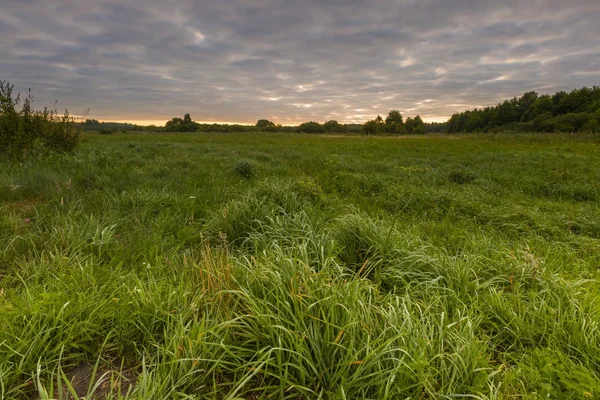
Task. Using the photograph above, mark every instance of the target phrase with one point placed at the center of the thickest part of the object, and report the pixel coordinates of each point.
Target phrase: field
(285, 266)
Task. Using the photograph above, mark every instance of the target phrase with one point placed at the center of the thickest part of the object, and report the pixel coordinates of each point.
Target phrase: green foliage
(415, 126)
(348, 268)
(372, 128)
(562, 112)
(311, 127)
(27, 130)
(264, 123)
(436, 127)
(182, 125)
(92, 125)
(394, 117)
(394, 124)
(334, 127)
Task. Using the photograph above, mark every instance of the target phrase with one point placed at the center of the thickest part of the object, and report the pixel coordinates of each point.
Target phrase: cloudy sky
(294, 60)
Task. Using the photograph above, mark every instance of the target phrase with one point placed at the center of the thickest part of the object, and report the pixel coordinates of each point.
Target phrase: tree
(393, 117)
(311, 127)
(418, 126)
(264, 123)
(173, 124)
(374, 127)
(562, 111)
(394, 123)
(371, 127)
(334, 126)
(181, 125)
(525, 106)
(409, 124)
(91, 122)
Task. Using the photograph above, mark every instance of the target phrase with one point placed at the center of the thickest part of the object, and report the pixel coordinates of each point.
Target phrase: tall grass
(348, 268)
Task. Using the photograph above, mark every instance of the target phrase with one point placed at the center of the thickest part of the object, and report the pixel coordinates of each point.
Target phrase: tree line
(393, 124)
(575, 111)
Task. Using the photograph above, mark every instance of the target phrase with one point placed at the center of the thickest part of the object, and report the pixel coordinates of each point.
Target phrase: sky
(290, 61)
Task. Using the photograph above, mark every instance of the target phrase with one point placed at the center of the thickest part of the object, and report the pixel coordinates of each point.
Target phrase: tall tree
(393, 117)
(418, 126)
(394, 122)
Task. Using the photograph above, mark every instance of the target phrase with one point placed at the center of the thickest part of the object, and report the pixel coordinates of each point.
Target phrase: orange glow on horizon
(162, 122)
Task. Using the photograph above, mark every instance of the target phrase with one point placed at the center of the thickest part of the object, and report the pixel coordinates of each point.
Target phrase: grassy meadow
(286, 266)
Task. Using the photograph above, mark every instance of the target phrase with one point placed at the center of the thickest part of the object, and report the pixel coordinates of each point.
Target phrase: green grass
(279, 266)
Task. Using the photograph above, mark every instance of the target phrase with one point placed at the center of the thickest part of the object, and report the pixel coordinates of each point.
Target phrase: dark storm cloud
(294, 60)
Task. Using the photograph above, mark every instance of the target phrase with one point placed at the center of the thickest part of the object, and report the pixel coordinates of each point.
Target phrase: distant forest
(575, 111)
(393, 124)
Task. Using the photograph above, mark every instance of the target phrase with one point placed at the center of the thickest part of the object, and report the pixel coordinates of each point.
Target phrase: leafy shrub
(244, 168)
(24, 130)
(106, 131)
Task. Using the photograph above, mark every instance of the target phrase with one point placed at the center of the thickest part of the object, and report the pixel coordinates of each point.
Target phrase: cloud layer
(293, 61)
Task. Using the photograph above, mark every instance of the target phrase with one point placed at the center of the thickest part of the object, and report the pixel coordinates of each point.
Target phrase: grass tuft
(244, 169)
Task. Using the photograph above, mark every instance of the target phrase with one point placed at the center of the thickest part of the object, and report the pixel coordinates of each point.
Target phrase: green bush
(24, 130)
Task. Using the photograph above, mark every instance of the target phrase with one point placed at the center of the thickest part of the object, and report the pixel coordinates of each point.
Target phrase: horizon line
(162, 122)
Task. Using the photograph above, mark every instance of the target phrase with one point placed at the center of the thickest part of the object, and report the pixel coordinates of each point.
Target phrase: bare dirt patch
(106, 381)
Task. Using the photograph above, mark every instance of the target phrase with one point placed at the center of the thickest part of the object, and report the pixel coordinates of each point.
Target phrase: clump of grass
(254, 213)
(461, 176)
(360, 239)
(244, 169)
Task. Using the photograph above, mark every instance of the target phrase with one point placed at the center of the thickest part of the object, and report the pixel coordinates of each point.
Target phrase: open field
(283, 266)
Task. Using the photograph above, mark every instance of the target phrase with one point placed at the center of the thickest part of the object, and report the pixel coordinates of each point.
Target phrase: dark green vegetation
(394, 124)
(25, 131)
(576, 111)
(298, 266)
(93, 125)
